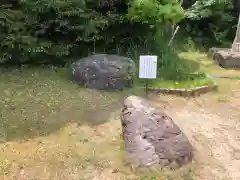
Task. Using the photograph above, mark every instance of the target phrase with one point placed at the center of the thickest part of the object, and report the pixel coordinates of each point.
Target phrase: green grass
(52, 127)
(176, 70)
(183, 84)
(183, 80)
(207, 65)
(177, 84)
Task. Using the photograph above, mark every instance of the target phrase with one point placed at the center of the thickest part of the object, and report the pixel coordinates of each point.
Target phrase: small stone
(115, 171)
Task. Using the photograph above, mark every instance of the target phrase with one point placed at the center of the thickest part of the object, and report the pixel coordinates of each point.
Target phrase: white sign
(148, 67)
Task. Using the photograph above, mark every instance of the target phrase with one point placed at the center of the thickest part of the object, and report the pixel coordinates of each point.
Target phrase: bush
(52, 32)
(56, 32)
(47, 31)
(206, 22)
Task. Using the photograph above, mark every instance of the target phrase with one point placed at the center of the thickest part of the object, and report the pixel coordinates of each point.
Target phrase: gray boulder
(151, 137)
(103, 71)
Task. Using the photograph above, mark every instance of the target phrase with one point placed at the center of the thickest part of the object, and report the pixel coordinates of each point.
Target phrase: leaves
(32, 31)
(47, 28)
(207, 20)
(154, 12)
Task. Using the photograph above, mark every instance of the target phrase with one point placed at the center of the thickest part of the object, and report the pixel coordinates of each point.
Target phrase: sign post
(148, 68)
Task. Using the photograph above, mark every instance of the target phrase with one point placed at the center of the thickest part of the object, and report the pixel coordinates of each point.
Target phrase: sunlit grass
(207, 64)
(54, 129)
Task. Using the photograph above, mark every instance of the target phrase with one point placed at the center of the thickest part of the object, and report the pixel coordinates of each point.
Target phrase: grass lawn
(53, 129)
(178, 84)
(209, 66)
(206, 64)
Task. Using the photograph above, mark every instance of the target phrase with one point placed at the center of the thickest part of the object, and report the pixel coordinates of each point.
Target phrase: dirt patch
(213, 127)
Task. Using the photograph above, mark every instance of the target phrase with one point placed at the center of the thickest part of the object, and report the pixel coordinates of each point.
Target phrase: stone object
(151, 137)
(226, 58)
(213, 50)
(103, 71)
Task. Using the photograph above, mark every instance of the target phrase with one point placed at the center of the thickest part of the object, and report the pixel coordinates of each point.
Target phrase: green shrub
(54, 31)
(58, 32)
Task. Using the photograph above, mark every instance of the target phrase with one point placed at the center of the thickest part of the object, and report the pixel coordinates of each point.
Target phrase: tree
(206, 21)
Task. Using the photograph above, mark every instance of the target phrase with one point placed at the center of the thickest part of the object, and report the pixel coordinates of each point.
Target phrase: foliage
(200, 9)
(57, 31)
(206, 21)
(155, 11)
(15, 41)
(53, 31)
(50, 29)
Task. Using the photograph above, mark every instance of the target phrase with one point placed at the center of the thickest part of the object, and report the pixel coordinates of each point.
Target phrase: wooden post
(146, 87)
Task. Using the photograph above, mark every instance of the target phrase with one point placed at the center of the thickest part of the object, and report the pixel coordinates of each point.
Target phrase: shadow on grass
(38, 102)
(208, 64)
(193, 65)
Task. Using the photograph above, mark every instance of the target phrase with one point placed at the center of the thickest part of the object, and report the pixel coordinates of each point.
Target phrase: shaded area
(39, 101)
(193, 65)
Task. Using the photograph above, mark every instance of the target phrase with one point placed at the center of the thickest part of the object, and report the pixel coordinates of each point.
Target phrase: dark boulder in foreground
(103, 71)
(151, 137)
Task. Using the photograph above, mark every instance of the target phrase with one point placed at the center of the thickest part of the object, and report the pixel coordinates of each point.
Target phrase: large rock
(227, 59)
(213, 50)
(151, 137)
(103, 71)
